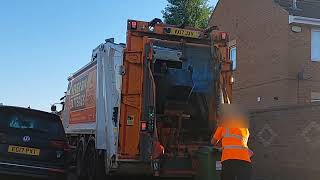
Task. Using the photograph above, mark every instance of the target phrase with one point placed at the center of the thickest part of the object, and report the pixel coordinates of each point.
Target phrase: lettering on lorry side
(82, 97)
(78, 101)
(79, 86)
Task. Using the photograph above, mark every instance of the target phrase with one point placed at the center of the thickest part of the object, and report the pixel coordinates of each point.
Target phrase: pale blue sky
(43, 41)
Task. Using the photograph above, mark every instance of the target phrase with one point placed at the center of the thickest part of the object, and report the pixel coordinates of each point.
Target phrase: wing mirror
(53, 108)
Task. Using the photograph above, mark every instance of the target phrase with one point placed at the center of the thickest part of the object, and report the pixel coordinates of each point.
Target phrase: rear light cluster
(143, 126)
(220, 36)
(60, 144)
(148, 125)
(224, 36)
(133, 25)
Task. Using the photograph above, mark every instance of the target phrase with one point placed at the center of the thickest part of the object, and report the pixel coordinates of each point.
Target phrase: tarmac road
(73, 177)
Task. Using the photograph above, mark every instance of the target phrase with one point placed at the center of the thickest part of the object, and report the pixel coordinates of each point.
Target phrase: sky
(42, 42)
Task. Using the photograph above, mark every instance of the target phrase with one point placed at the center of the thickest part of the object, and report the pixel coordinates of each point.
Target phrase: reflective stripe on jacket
(234, 143)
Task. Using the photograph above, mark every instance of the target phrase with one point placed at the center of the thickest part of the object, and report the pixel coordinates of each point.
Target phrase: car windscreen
(32, 121)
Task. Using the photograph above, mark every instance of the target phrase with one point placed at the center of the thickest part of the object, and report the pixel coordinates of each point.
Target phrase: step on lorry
(147, 106)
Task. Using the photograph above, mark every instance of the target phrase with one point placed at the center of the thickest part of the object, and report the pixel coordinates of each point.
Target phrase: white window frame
(312, 49)
(233, 45)
(234, 63)
(315, 97)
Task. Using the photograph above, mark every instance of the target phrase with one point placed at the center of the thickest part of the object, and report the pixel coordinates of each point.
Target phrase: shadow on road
(73, 177)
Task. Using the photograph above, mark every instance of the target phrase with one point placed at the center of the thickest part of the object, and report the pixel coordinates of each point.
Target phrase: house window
(233, 56)
(315, 97)
(315, 45)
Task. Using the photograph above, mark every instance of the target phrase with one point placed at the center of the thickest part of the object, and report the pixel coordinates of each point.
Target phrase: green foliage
(193, 13)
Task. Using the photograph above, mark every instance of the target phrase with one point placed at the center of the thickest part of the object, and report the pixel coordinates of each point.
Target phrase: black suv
(32, 143)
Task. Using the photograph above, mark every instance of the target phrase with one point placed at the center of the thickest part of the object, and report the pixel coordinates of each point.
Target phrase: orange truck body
(140, 37)
(148, 106)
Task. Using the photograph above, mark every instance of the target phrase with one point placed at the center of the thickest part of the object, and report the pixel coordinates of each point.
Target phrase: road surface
(73, 177)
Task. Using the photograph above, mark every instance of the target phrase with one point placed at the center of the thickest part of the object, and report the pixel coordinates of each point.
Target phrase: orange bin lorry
(148, 106)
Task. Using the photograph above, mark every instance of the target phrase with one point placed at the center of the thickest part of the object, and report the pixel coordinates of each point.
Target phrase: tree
(193, 13)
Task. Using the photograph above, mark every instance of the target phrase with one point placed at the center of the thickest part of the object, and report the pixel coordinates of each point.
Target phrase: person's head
(233, 115)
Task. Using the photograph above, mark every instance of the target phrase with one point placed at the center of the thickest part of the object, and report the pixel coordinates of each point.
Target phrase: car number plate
(24, 150)
(184, 33)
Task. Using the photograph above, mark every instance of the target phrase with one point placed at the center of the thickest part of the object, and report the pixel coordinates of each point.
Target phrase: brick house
(276, 48)
(275, 45)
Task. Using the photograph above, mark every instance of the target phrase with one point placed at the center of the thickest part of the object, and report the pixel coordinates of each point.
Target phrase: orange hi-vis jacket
(234, 143)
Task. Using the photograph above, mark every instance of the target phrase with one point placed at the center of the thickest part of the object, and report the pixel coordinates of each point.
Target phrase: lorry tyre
(108, 163)
(100, 166)
(91, 160)
(80, 165)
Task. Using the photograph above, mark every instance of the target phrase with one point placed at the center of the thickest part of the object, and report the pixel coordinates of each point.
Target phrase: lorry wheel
(100, 166)
(91, 161)
(80, 166)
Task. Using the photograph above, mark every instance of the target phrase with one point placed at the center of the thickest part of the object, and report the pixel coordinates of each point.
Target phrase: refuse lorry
(149, 106)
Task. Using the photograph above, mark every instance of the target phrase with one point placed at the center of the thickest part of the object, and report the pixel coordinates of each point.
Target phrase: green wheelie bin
(209, 164)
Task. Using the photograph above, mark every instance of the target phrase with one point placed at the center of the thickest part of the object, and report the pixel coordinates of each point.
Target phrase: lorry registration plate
(24, 150)
(183, 32)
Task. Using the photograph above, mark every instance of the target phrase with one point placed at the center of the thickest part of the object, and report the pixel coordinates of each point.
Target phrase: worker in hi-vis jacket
(233, 134)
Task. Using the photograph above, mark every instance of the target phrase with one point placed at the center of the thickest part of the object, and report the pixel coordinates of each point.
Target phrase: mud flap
(145, 147)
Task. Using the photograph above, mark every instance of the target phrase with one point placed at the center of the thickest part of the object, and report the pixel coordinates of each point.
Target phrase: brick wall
(277, 93)
(286, 133)
(286, 141)
(269, 54)
(300, 58)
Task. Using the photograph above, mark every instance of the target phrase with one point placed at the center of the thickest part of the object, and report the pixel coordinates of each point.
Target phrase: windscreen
(35, 122)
